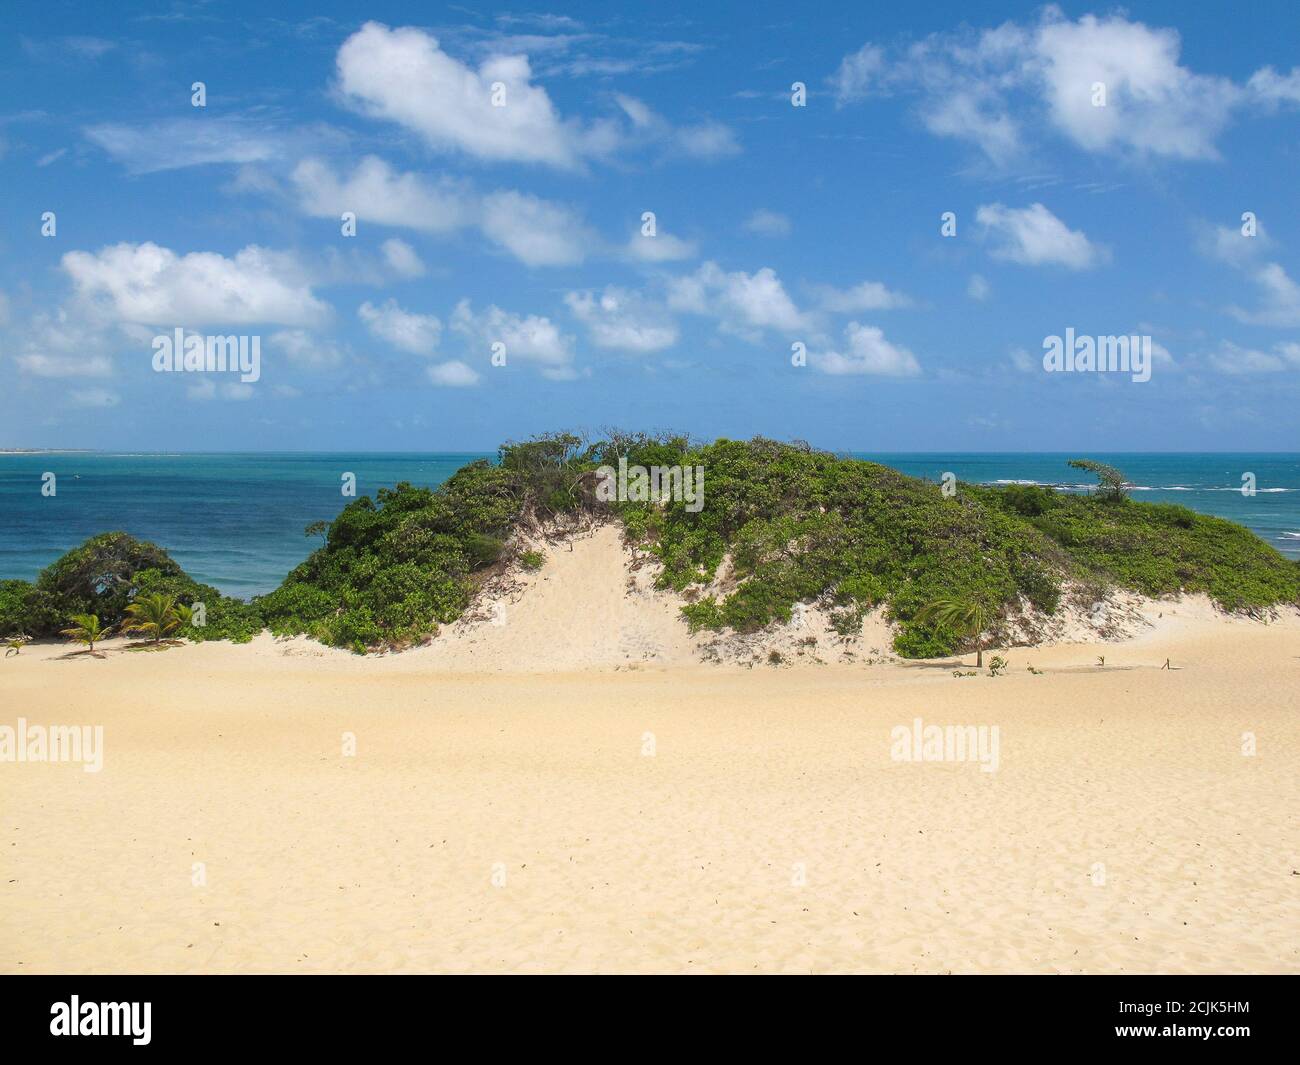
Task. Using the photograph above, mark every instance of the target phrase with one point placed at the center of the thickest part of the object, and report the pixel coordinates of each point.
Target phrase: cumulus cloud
(403, 75)
(622, 320)
(59, 344)
(661, 248)
(374, 192)
(857, 74)
(993, 87)
(452, 374)
(768, 223)
(1235, 360)
(402, 259)
(416, 333)
(744, 304)
(147, 283)
(532, 338)
(1280, 298)
(868, 352)
(535, 231)
(305, 349)
(1033, 236)
(977, 288)
(864, 296)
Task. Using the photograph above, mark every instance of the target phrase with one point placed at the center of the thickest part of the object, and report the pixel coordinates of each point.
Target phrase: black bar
(922, 1013)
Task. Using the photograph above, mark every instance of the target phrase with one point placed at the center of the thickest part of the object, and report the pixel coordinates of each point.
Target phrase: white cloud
(146, 283)
(1272, 88)
(661, 248)
(197, 141)
(306, 349)
(535, 231)
(977, 288)
(623, 321)
(532, 338)
(375, 193)
(403, 75)
(992, 86)
(744, 304)
(1153, 104)
(768, 223)
(402, 258)
(1230, 245)
(1238, 361)
(1281, 298)
(864, 296)
(453, 374)
(868, 353)
(60, 344)
(708, 141)
(856, 74)
(1033, 236)
(416, 333)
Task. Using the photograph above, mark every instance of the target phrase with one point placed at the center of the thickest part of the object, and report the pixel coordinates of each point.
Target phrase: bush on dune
(103, 577)
(799, 525)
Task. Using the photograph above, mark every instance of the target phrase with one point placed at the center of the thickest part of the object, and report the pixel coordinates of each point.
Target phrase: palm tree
(156, 615)
(964, 618)
(86, 630)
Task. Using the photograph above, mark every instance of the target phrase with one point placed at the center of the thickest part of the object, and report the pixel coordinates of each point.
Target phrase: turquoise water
(236, 520)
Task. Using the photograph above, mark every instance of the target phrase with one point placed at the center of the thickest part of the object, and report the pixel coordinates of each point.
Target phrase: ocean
(236, 520)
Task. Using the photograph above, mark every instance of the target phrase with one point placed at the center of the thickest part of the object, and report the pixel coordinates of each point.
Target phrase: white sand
(769, 831)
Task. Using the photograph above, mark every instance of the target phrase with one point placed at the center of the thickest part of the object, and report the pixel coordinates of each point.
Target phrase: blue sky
(521, 224)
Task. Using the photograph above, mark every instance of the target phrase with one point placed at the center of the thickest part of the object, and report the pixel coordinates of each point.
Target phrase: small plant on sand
(14, 644)
(966, 619)
(997, 666)
(774, 658)
(532, 560)
(1101, 661)
(156, 616)
(1035, 672)
(85, 629)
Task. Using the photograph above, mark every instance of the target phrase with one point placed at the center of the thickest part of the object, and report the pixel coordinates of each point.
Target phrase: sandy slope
(768, 831)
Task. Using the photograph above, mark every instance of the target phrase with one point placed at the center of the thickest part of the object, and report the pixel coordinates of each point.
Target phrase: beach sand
(573, 791)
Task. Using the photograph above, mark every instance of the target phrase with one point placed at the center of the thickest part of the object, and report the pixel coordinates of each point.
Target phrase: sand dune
(520, 799)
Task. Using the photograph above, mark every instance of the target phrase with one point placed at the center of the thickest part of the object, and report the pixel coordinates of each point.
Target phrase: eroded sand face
(673, 818)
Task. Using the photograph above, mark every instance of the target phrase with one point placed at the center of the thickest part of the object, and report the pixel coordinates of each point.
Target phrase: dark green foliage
(799, 525)
(103, 577)
(532, 560)
(395, 568)
(1110, 482)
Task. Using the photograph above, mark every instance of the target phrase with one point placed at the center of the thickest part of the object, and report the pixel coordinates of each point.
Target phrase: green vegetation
(85, 629)
(797, 525)
(966, 619)
(1110, 482)
(105, 575)
(156, 616)
(532, 560)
